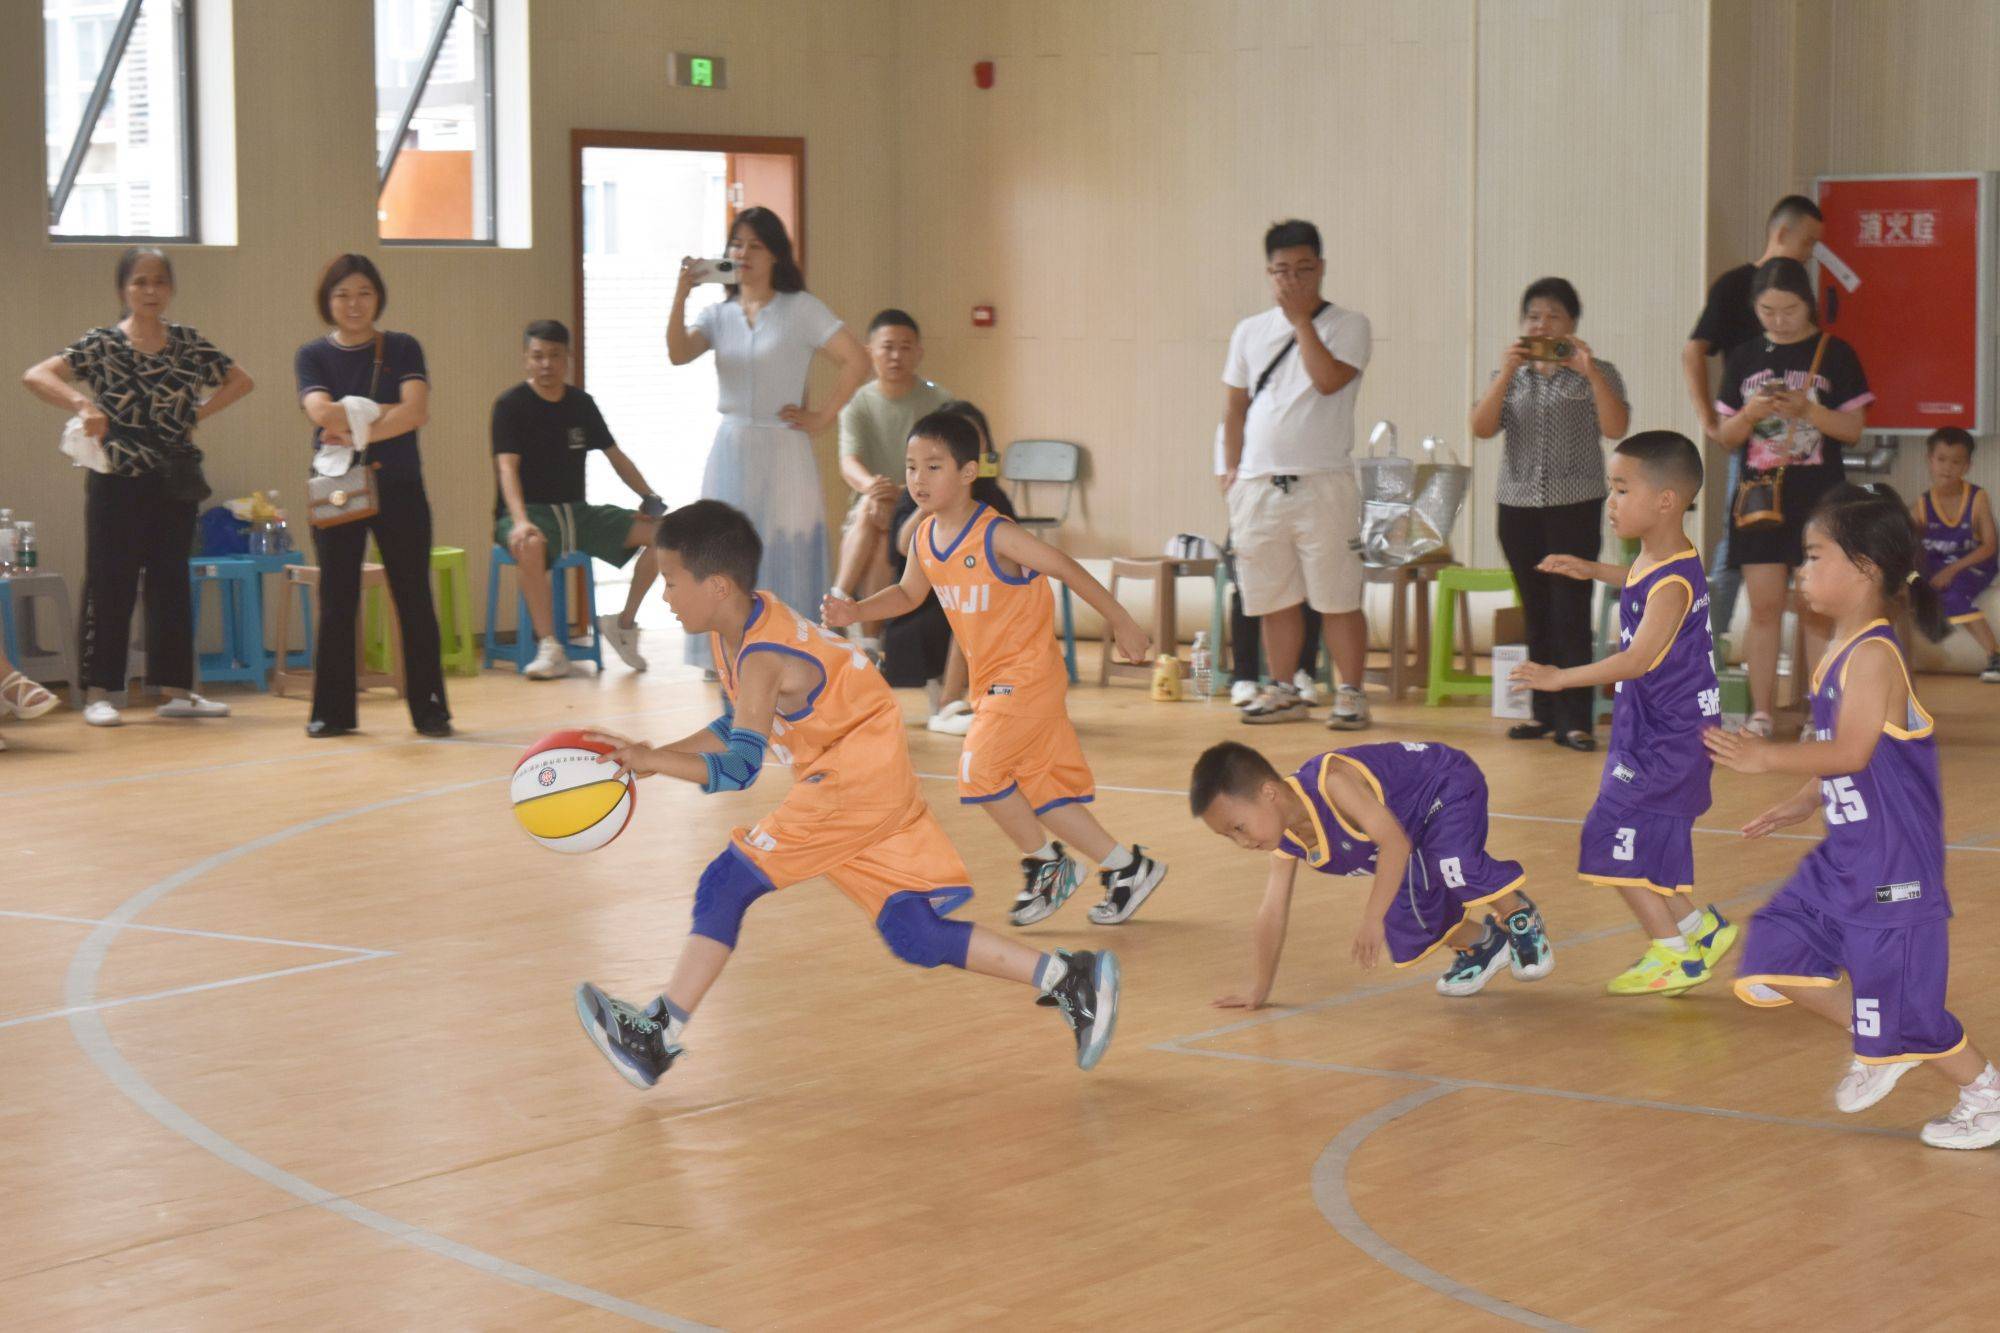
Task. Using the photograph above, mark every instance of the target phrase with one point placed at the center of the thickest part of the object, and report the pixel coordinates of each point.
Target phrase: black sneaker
(1991, 675)
(1046, 886)
(639, 1043)
(1532, 957)
(1471, 968)
(1125, 890)
(1088, 998)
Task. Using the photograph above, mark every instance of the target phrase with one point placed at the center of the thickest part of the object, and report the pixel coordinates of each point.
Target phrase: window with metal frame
(434, 123)
(118, 119)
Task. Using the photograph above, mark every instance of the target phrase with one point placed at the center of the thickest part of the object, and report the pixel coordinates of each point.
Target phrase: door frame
(763, 145)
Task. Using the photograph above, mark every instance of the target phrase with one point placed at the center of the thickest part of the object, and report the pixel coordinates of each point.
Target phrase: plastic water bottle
(1201, 667)
(7, 537)
(25, 556)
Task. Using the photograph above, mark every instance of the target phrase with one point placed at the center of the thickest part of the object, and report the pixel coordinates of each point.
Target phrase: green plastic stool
(460, 652)
(1445, 679)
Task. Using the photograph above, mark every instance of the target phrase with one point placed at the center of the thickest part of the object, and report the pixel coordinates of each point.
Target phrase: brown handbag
(349, 497)
(1760, 499)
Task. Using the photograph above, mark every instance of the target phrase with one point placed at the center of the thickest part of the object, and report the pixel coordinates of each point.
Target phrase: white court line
(199, 934)
(333, 751)
(191, 990)
(1977, 845)
(87, 1025)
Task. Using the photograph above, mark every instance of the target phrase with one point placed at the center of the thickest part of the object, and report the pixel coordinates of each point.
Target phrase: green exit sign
(693, 71)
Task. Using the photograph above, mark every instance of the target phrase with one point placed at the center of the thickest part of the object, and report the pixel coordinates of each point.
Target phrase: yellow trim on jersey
(1899, 733)
(1638, 571)
(1965, 619)
(1819, 672)
(1675, 637)
(1325, 846)
(1964, 503)
(1612, 882)
(1374, 784)
(1742, 987)
(1469, 903)
(1519, 880)
(1911, 1055)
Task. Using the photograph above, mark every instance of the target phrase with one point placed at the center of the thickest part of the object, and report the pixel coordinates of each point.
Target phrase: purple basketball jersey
(1881, 863)
(1949, 540)
(1656, 759)
(1408, 777)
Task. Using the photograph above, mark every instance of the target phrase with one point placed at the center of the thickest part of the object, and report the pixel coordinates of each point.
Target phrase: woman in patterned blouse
(141, 386)
(1555, 415)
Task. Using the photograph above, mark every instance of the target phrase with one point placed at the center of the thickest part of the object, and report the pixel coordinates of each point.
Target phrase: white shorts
(1301, 545)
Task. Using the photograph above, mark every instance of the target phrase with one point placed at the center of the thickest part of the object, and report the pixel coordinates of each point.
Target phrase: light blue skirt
(769, 472)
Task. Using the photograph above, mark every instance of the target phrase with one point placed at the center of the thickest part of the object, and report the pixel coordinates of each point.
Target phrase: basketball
(568, 796)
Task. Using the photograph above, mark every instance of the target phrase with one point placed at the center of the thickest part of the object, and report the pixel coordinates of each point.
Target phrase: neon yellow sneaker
(1660, 971)
(1715, 936)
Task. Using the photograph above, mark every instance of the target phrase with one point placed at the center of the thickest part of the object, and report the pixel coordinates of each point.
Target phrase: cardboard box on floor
(1510, 649)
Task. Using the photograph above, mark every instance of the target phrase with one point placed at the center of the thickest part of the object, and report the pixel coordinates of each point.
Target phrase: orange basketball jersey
(1005, 625)
(850, 719)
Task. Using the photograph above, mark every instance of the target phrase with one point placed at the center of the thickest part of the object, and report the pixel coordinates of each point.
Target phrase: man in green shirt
(874, 433)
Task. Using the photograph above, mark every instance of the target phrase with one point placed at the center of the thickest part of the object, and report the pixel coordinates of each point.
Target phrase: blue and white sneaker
(640, 1044)
(1046, 886)
(1471, 968)
(1087, 997)
(1530, 955)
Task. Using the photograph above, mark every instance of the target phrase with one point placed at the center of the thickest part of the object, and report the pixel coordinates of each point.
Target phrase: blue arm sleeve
(737, 767)
(725, 724)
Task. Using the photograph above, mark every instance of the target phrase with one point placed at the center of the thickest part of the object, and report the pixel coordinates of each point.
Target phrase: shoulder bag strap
(1290, 343)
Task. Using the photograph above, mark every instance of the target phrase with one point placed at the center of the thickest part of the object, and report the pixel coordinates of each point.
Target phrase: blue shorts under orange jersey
(854, 813)
(1021, 737)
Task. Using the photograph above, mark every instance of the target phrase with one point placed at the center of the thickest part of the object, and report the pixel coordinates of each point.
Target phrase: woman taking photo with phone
(1555, 402)
(764, 334)
(1789, 401)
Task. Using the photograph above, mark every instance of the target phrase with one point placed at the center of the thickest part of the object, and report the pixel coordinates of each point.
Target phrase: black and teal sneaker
(1087, 996)
(640, 1043)
(1530, 955)
(1045, 886)
(1471, 968)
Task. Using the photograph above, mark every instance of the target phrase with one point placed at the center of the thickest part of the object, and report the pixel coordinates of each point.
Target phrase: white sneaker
(1280, 703)
(933, 691)
(193, 705)
(551, 662)
(1242, 693)
(1865, 1084)
(1307, 687)
(954, 719)
(103, 714)
(1350, 710)
(1975, 1121)
(1759, 725)
(623, 641)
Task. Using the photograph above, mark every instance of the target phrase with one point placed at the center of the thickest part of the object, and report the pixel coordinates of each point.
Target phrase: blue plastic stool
(241, 582)
(588, 649)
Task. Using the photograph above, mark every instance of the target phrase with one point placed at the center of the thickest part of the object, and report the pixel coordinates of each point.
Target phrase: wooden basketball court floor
(286, 1040)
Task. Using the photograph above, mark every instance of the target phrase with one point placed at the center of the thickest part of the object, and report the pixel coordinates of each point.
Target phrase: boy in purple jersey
(1639, 835)
(1955, 524)
(1869, 900)
(1411, 814)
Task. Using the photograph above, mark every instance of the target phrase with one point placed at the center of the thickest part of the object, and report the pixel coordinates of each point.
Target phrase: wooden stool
(1405, 667)
(1162, 571)
(298, 578)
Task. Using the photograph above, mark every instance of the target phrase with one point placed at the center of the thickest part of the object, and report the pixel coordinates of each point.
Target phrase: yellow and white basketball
(568, 796)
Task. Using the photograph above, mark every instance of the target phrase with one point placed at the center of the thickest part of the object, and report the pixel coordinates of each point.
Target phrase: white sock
(1048, 851)
(1120, 858)
(1050, 972)
(1678, 943)
(1987, 1079)
(839, 592)
(1691, 924)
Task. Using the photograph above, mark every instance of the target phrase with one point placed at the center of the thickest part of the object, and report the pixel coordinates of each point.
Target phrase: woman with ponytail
(1867, 904)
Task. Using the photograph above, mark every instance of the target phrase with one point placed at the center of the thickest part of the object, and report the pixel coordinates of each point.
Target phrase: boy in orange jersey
(1021, 762)
(854, 814)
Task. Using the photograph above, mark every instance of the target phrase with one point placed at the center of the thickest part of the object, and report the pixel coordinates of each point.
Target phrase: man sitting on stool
(542, 432)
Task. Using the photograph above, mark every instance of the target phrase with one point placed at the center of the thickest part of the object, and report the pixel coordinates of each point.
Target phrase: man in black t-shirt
(543, 432)
(1727, 322)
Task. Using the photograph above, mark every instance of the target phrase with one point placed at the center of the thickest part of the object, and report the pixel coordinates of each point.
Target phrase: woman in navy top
(358, 360)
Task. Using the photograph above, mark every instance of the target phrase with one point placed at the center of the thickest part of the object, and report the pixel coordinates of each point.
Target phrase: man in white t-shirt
(1294, 508)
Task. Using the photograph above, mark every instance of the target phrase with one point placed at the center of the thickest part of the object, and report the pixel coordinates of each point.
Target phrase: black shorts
(1784, 543)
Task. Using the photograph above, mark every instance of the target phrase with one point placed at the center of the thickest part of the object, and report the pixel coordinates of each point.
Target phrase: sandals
(1577, 740)
(24, 698)
(1528, 731)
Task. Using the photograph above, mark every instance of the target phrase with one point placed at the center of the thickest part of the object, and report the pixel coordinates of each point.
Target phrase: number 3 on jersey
(1843, 803)
(1621, 847)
